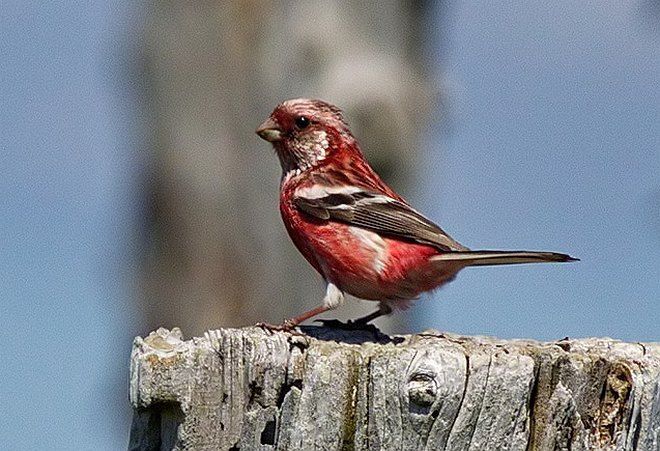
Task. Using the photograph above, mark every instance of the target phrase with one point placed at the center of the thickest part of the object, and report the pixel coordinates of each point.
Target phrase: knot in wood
(422, 389)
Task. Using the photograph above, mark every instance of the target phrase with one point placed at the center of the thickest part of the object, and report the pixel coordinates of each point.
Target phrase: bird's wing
(373, 211)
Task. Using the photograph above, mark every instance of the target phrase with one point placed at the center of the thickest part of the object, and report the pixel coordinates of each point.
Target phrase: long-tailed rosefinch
(361, 236)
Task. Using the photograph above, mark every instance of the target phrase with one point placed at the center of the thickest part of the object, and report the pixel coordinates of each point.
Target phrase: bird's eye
(301, 122)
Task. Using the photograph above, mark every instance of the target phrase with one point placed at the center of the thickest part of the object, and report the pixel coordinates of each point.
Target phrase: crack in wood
(532, 406)
(460, 404)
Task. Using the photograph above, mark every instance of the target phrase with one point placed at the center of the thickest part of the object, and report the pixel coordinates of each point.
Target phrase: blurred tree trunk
(218, 254)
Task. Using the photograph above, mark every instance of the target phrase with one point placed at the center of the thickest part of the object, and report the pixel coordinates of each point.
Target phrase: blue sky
(552, 143)
(68, 214)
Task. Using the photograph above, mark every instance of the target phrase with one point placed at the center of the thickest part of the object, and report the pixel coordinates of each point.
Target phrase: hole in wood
(268, 434)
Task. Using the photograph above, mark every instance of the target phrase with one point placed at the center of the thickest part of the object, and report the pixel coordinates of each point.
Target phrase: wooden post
(245, 389)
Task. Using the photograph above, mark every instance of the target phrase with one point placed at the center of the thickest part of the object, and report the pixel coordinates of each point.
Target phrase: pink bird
(361, 236)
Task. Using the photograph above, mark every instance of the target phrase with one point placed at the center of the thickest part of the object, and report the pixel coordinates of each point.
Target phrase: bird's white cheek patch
(321, 145)
(310, 148)
(375, 243)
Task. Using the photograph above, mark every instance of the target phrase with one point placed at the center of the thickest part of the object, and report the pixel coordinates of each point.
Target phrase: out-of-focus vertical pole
(218, 254)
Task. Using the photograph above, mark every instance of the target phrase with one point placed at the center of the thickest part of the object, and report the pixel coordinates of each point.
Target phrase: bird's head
(305, 132)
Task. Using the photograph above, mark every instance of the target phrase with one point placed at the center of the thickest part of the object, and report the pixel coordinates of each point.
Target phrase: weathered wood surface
(243, 389)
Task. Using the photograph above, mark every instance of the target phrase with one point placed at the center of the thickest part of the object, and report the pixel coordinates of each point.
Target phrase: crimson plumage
(359, 234)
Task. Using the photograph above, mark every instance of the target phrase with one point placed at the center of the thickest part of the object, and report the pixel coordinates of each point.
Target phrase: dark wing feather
(379, 213)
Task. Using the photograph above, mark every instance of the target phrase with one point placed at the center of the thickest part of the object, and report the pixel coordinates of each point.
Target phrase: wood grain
(328, 389)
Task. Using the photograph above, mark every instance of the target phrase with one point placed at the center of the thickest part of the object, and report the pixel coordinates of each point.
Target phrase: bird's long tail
(486, 258)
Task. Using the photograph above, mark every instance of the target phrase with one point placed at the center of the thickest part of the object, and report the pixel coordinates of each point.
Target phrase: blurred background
(135, 193)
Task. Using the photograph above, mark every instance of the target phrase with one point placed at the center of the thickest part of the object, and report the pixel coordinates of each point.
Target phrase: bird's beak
(269, 131)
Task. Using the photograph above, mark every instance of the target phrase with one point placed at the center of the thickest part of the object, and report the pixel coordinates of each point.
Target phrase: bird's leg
(334, 297)
(291, 323)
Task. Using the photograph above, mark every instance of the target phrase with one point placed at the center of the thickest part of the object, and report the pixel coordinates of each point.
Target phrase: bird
(357, 232)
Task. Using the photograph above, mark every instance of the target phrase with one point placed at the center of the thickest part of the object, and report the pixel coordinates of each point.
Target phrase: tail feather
(486, 258)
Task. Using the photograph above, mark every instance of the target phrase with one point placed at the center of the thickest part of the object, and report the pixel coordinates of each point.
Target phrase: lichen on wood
(330, 389)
